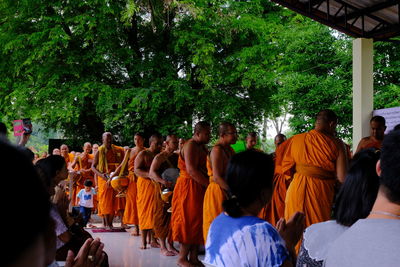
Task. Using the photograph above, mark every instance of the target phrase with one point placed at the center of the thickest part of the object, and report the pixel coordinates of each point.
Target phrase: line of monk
(174, 194)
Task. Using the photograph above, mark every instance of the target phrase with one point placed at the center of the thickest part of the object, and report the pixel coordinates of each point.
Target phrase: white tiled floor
(123, 251)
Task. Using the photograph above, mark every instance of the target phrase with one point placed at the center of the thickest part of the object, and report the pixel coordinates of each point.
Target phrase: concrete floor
(123, 251)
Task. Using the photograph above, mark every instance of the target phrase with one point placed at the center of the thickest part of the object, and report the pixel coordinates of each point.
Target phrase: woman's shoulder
(318, 237)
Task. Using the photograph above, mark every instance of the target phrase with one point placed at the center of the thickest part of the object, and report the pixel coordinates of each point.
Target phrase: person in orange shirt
(318, 160)
(145, 189)
(187, 201)
(166, 160)
(106, 161)
(378, 128)
(218, 160)
(131, 212)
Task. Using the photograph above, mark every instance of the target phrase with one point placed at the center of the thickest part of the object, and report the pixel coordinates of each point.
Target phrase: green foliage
(84, 67)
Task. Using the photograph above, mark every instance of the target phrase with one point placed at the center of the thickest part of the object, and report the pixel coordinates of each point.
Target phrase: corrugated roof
(378, 19)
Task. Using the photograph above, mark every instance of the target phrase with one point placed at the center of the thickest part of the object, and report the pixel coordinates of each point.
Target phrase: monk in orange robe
(131, 212)
(378, 128)
(120, 200)
(187, 201)
(167, 159)
(82, 165)
(145, 189)
(106, 161)
(319, 160)
(276, 207)
(218, 161)
(69, 158)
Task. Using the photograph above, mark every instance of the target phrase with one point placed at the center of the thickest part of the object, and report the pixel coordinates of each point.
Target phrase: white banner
(391, 115)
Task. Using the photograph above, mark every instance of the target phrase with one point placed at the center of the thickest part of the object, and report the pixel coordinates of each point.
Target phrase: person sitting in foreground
(238, 237)
(354, 201)
(34, 246)
(374, 241)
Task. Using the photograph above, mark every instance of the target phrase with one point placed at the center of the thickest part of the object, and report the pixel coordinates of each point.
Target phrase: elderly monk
(106, 161)
(217, 162)
(187, 201)
(145, 189)
(318, 160)
(377, 132)
(162, 218)
(276, 207)
(131, 212)
(82, 165)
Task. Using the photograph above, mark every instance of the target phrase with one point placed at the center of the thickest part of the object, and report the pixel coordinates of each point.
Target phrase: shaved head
(107, 139)
(279, 139)
(155, 138)
(326, 116)
(201, 126)
(225, 128)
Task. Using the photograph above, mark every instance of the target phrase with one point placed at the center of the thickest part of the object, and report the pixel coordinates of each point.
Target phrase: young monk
(162, 218)
(145, 188)
(187, 201)
(131, 212)
(218, 161)
(377, 132)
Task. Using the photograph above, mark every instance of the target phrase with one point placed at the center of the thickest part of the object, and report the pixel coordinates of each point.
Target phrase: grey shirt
(367, 243)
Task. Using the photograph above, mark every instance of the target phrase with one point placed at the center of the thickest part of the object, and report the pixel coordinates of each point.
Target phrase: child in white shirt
(85, 201)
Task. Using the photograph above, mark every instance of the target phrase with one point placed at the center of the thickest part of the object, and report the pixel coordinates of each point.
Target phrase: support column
(363, 88)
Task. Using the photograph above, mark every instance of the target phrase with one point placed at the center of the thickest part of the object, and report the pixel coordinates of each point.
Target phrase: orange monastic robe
(86, 165)
(187, 207)
(313, 155)
(108, 203)
(213, 199)
(276, 207)
(145, 203)
(131, 211)
(371, 144)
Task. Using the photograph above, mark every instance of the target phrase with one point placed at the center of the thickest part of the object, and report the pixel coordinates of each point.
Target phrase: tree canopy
(83, 67)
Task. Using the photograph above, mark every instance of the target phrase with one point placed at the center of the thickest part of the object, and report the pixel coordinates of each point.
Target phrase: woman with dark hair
(237, 237)
(354, 201)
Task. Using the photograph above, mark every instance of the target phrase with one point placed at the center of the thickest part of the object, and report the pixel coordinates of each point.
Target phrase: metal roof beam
(370, 9)
(378, 19)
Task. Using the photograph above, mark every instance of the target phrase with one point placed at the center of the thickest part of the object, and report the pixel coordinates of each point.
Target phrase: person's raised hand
(291, 230)
(90, 255)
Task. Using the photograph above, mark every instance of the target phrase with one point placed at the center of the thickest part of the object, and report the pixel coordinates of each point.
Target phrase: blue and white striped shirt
(244, 241)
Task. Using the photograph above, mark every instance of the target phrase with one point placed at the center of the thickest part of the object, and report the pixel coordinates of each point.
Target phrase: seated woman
(238, 237)
(354, 201)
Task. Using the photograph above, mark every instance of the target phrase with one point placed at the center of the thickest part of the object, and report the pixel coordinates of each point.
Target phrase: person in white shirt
(85, 201)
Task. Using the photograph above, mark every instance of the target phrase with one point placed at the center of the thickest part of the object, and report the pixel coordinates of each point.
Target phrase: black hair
(88, 183)
(358, 193)
(397, 127)
(390, 166)
(249, 176)
(17, 169)
(48, 167)
(378, 119)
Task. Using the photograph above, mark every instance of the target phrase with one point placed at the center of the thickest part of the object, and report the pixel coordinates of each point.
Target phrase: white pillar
(363, 88)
